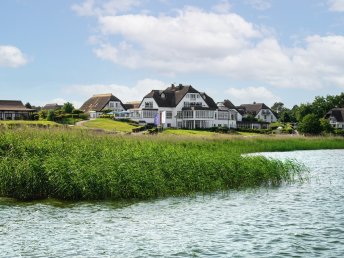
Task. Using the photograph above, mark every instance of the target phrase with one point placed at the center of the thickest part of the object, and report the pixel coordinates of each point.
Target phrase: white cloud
(104, 7)
(222, 7)
(336, 5)
(252, 94)
(11, 56)
(224, 44)
(123, 92)
(259, 4)
(190, 41)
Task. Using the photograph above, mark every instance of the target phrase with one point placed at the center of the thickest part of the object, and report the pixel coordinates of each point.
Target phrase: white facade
(266, 115)
(191, 112)
(115, 106)
(335, 124)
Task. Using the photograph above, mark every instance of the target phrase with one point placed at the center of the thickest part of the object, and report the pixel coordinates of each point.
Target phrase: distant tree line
(310, 116)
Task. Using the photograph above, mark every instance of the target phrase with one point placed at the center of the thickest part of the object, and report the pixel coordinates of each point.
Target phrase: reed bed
(81, 165)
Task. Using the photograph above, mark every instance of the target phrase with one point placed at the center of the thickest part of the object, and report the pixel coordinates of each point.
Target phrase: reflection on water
(293, 220)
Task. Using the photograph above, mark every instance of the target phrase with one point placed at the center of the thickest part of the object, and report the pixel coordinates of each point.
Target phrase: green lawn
(188, 132)
(109, 125)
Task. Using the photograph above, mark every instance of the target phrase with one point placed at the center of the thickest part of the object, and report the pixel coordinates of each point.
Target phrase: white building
(259, 111)
(184, 107)
(96, 105)
(336, 117)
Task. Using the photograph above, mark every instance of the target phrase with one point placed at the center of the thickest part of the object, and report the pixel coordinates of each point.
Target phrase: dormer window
(163, 95)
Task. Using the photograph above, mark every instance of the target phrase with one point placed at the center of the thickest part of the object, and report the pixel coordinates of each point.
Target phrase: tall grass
(78, 164)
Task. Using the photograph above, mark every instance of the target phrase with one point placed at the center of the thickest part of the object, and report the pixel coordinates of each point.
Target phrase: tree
(28, 105)
(326, 126)
(278, 107)
(51, 115)
(310, 125)
(68, 108)
(303, 110)
(284, 117)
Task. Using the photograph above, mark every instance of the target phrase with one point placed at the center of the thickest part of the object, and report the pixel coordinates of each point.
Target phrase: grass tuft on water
(71, 164)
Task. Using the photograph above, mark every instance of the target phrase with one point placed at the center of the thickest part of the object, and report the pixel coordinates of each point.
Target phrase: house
(182, 106)
(259, 111)
(228, 105)
(14, 110)
(336, 117)
(52, 106)
(97, 104)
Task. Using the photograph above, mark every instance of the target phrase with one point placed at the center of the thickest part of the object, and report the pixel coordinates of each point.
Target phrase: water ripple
(299, 220)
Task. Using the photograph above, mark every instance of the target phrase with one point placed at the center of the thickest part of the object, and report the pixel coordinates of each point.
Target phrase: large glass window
(223, 115)
(187, 114)
(149, 113)
(204, 114)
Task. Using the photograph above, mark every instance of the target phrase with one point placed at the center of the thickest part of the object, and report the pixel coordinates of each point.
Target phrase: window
(116, 104)
(179, 114)
(168, 125)
(163, 95)
(264, 116)
(258, 116)
(168, 114)
(186, 104)
(188, 114)
(272, 117)
(111, 105)
(192, 95)
(204, 114)
(149, 113)
(223, 115)
(149, 104)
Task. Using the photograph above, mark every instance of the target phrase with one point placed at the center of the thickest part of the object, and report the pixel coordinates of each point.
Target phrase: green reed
(82, 165)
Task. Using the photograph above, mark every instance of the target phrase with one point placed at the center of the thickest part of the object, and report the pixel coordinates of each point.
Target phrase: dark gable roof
(171, 96)
(132, 105)
(337, 113)
(13, 105)
(98, 102)
(51, 106)
(252, 108)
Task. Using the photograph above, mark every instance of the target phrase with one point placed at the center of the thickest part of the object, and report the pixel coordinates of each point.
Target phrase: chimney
(173, 86)
(254, 102)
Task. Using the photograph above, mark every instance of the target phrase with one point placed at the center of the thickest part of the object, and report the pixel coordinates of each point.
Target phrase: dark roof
(13, 105)
(337, 113)
(131, 105)
(52, 106)
(98, 102)
(171, 96)
(252, 109)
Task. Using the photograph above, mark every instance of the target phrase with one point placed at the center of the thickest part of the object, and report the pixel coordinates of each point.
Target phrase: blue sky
(242, 50)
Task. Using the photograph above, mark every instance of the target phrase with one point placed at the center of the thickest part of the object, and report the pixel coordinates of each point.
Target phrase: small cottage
(14, 110)
(97, 104)
(336, 117)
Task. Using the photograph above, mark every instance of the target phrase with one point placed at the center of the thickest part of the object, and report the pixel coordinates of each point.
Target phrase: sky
(242, 50)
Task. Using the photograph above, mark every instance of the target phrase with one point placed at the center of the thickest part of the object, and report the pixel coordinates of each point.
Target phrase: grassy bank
(27, 123)
(79, 164)
(109, 125)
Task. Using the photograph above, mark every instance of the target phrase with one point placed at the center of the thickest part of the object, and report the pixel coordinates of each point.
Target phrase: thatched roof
(52, 106)
(13, 105)
(98, 102)
(337, 113)
(252, 109)
(171, 96)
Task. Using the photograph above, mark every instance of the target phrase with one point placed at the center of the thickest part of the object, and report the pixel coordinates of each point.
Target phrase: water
(299, 220)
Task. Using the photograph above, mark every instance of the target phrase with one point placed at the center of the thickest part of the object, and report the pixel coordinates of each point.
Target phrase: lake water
(299, 220)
